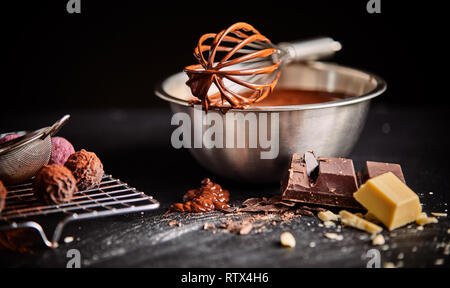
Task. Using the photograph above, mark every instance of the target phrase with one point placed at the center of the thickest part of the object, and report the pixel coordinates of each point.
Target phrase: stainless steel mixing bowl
(330, 128)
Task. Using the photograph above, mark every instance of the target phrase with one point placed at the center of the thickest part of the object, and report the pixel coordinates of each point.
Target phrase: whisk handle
(56, 126)
(310, 49)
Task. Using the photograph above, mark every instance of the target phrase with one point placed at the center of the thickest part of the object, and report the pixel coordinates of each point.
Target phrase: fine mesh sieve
(21, 158)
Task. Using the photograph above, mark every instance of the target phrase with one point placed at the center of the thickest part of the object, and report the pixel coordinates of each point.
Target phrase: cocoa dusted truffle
(54, 184)
(3, 193)
(86, 168)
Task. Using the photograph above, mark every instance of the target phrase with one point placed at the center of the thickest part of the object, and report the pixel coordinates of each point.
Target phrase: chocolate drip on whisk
(251, 63)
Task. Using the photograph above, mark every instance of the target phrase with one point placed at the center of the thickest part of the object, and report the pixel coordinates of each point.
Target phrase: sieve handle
(310, 49)
(52, 130)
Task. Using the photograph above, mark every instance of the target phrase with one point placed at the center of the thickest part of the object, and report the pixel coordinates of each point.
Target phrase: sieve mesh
(21, 163)
(21, 158)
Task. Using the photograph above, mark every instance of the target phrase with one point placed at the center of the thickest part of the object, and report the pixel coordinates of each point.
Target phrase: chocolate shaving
(304, 212)
(264, 208)
(313, 208)
(273, 204)
(252, 202)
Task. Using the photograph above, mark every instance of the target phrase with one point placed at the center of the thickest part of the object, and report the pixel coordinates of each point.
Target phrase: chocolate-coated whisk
(244, 65)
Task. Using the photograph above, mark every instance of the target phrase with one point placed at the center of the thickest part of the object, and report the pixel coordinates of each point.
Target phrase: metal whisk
(244, 65)
(21, 158)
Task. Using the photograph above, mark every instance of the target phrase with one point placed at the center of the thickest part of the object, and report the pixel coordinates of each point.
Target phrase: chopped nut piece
(172, 223)
(378, 240)
(329, 224)
(440, 245)
(68, 239)
(334, 236)
(447, 249)
(439, 214)
(287, 239)
(208, 226)
(327, 216)
(352, 220)
(439, 261)
(246, 228)
(423, 219)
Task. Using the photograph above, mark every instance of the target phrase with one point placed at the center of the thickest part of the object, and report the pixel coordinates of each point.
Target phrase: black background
(114, 52)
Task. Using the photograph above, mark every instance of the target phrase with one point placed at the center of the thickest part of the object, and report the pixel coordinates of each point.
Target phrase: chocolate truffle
(86, 168)
(3, 193)
(8, 137)
(61, 150)
(54, 184)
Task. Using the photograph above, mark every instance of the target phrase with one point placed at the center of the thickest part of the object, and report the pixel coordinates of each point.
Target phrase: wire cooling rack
(112, 197)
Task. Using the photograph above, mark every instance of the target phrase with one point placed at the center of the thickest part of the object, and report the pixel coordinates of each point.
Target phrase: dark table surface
(134, 145)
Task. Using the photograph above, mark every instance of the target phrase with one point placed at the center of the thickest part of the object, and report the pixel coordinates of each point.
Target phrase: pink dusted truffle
(8, 137)
(61, 150)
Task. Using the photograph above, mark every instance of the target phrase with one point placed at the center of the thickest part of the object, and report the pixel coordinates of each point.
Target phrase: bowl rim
(379, 88)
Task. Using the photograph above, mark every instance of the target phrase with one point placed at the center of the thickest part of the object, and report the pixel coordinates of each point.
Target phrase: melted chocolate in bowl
(287, 96)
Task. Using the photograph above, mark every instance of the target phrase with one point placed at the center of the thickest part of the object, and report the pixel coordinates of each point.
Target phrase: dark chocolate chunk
(311, 162)
(3, 194)
(336, 175)
(373, 169)
(335, 184)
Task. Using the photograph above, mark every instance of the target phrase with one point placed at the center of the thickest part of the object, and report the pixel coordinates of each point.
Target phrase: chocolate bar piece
(334, 184)
(374, 169)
